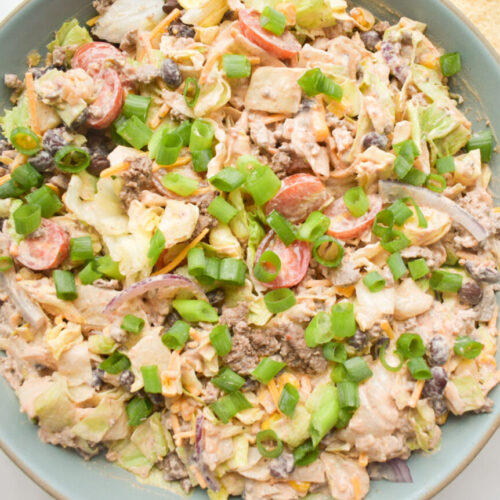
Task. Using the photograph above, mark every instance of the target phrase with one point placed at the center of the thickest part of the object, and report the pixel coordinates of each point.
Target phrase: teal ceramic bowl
(64, 474)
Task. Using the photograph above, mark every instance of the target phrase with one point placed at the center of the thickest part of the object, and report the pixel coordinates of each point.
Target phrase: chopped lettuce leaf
(318, 13)
(293, 431)
(150, 438)
(464, 394)
(224, 242)
(240, 452)
(100, 344)
(128, 456)
(18, 116)
(255, 236)
(70, 34)
(427, 433)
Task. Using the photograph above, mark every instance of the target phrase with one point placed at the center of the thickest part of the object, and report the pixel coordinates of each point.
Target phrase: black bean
(170, 73)
(282, 466)
(250, 385)
(470, 293)
(377, 345)
(216, 297)
(170, 5)
(171, 318)
(126, 378)
(181, 30)
(359, 340)
(307, 104)
(482, 272)
(156, 399)
(229, 15)
(371, 39)
(434, 387)
(439, 406)
(96, 381)
(438, 351)
(79, 122)
(98, 163)
(43, 161)
(375, 139)
(53, 140)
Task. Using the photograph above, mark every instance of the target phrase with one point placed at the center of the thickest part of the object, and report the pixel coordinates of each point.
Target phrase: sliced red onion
(212, 482)
(395, 470)
(392, 191)
(174, 281)
(199, 438)
(32, 312)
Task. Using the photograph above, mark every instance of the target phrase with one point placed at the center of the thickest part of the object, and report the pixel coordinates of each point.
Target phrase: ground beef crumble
(136, 179)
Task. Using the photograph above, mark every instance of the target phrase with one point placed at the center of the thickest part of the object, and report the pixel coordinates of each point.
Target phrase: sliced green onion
(384, 221)
(356, 201)
(396, 265)
(415, 177)
(343, 322)
(484, 142)
(46, 199)
(156, 247)
(228, 381)
(335, 351)
(10, 189)
(436, 182)
(202, 135)
(451, 257)
(27, 218)
(6, 263)
(374, 282)
(232, 271)
(80, 249)
(220, 338)
(267, 260)
(445, 165)
(228, 406)
(323, 404)
(401, 212)
(191, 91)
(184, 131)
(136, 105)
(332, 252)
(418, 268)
(345, 415)
(132, 324)
(407, 149)
(176, 336)
(410, 345)
(197, 262)
(262, 184)
(319, 330)
(467, 347)
(314, 227)
(305, 454)
(348, 395)
(236, 65)
(419, 369)
(279, 300)
(273, 20)
(169, 148)
(451, 63)
(25, 141)
(135, 132)
(72, 159)
(222, 210)
(357, 369)
(89, 273)
(151, 378)
(110, 268)
(314, 82)
(422, 222)
(180, 184)
(201, 159)
(402, 167)
(444, 281)
(269, 435)
(282, 227)
(212, 271)
(138, 410)
(386, 365)
(116, 363)
(26, 176)
(338, 373)
(267, 369)
(196, 310)
(228, 179)
(64, 282)
(394, 241)
(288, 400)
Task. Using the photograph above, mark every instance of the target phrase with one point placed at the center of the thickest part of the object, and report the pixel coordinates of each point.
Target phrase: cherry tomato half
(91, 56)
(108, 105)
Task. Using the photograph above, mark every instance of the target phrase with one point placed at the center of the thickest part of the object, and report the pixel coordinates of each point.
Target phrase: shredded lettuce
(224, 242)
(70, 34)
(150, 438)
(293, 431)
(128, 456)
(255, 236)
(427, 433)
(469, 393)
(18, 116)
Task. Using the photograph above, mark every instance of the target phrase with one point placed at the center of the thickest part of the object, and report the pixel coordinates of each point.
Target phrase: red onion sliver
(395, 470)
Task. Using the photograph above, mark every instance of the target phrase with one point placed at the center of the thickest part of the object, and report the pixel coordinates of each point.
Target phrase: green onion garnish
(343, 322)
(27, 219)
(401, 212)
(196, 261)
(450, 63)
(335, 351)
(116, 363)
(410, 345)
(484, 142)
(267, 369)
(418, 268)
(191, 91)
(397, 265)
(89, 273)
(402, 166)
(407, 149)
(436, 182)
(415, 177)
(10, 189)
(232, 271)
(27, 177)
(138, 410)
(169, 148)
(319, 330)
(419, 369)
(356, 201)
(314, 82)
(220, 338)
(184, 131)
(328, 251)
(132, 324)
(228, 406)
(201, 159)
(422, 222)
(222, 210)
(195, 310)
(277, 445)
(25, 141)
(272, 20)
(262, 269)
(315, 226)
(156, 247)
(262, 183)
(228, 179)
(338, 373)
(288, 400)
(374, 282)
(110, 268)
(80, 249)
(467, 347)
(384, 221)
(135, 132)
(46, 199)
(282, 227)
(136, 105)
(151, 378)
(228, 381)
(202, 135)
(180, 184)
(64, 282)
(444, 281)
(305, 454)
(348, 395)
(72, 159)
(177, 336)
(357, 369)
(279, 300)
(386, 365)
(394, 241)
(445, 165)
(236, 65)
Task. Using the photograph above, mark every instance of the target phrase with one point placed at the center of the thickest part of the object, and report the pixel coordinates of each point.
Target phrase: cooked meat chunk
(136, 179)
(173, 468)
(129, 42)
(102, 5)
(12, 81)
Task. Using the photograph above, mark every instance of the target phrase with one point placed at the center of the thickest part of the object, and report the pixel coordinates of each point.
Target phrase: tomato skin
(295, 260)
(108, 105)
(44, 249)
(285, 46)
(345, 226)
(91, 56)
(299, 195)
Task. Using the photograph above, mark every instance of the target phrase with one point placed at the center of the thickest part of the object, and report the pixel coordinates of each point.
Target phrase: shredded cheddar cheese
(117, 169)
(92, 21)
(363, 459)
(275, 118)
(30, 92)
(385, 325)
(6, 160)
(182, 160)
(417, 392)
(300, 486)
(356, 487)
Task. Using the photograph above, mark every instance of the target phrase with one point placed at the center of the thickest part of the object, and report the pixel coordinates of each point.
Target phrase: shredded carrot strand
(117, 169)
(417, 392)
(385, 325)
(92, 21)
(182, 255)
(274, 118)
(198, 476)
(165, 23)
(162, 112)
(183, 160)
(357, 487)
(30, 92)
(146, 45)
(275, 394)
(363, 459)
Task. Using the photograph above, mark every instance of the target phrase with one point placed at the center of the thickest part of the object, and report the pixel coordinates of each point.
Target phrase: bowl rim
(51, 490)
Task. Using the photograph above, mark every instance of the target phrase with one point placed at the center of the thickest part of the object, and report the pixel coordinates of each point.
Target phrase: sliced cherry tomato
(91, 56)
(299, 195)
(285, 46)
(345, 226)
(108, 105)
(44, 249)
(294, 260)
